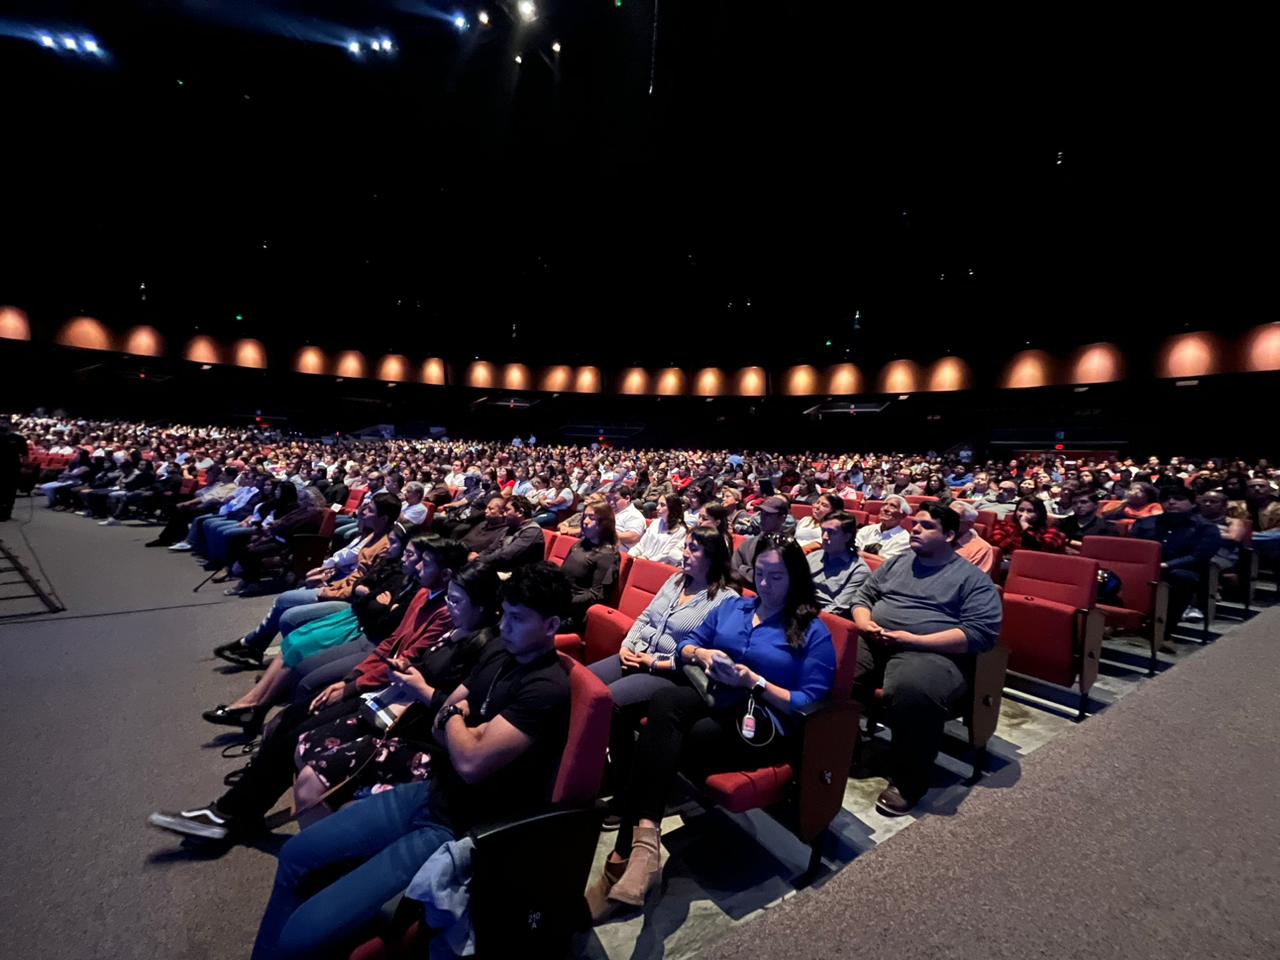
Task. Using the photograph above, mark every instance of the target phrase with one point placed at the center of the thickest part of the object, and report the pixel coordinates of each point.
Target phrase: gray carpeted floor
(1144, 829)
(101, 706)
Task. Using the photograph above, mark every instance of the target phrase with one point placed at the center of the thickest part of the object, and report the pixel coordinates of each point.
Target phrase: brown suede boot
(598, 893)
(644, 868)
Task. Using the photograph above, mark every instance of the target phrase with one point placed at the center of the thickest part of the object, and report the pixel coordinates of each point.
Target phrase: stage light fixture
(528, 12)
(519, 59)
(483, 17)
(376, 45)
(90, 45)
(460, 22)
(69, 43)
(386, 44)
(555, 47)
(353, 47)
(46, 40)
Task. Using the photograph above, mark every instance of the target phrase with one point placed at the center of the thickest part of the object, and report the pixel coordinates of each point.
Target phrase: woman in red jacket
(1027, 528)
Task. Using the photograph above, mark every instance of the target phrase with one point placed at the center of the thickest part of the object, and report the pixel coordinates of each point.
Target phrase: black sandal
(250, 718)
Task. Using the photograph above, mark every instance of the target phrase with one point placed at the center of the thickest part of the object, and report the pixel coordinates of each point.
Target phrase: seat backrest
(560, 547)
(997, 557)
(1135, 562)
(1054, 576)
(861, 516)
(738, 538)
(643, 583)
(915, 501)
(327, 523)
(854, 502)
(989, 518)
(872, 560)
(590, 711)
(844, 635)
(548, 538)
(1123, 526)
(873, 508)
(800, 510)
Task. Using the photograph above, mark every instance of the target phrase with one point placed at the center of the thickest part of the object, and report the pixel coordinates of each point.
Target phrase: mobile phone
(390, 662)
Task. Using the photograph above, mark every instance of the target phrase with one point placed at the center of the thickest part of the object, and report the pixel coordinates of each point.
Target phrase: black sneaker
(249, 718)
(239, 654)
(206, 823)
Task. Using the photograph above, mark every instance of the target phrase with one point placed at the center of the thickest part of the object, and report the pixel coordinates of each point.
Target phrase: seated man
(837, 569)
(629, 522)
(920, 618)
(1085, 521)
(502, 734)
(1212, 505)
(1188, 544)
(521, 545)
(887, 537)
(1003, 503)
(969, 546)
(772, 518)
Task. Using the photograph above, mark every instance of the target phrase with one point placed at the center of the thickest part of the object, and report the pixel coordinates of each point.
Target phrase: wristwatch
(453, 710)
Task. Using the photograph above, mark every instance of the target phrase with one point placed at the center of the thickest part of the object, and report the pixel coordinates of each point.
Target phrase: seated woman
(809, 529)
(1140, 500)
(764, 657)
(592, 564)
(373, 613)
(238, 813)
(663, 540)
(388, 740)
(1027, 528)
(646, 663)
(73, 475)
(716, 516)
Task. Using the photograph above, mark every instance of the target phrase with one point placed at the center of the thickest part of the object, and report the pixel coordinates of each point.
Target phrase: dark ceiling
(793, 177)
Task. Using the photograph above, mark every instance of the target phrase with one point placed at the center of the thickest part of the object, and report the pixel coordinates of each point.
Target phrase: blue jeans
(262, 635)
(198, 535)
(390, 835)
(221, 539)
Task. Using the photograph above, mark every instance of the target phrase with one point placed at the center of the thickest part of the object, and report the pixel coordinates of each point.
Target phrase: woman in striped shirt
(646, 663)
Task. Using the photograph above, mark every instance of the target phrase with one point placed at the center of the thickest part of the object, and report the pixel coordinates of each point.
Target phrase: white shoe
(1191, 613)
(109, 522)
(180, 547)
(84, 513)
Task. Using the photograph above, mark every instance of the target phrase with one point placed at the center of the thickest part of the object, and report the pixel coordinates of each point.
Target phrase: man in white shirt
(628, 520)
(888, 537)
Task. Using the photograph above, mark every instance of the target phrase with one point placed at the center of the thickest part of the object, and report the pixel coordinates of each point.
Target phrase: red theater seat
(800, 510)
(559, 548)
(643, 582)
(1144, 598)
(806, 793)
(1051, 625)
(548, 538)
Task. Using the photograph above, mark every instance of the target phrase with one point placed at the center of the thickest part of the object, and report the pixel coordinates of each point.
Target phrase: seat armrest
(827, 733)
(528, 879)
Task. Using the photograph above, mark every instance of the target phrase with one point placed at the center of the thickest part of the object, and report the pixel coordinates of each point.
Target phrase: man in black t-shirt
(503, 733)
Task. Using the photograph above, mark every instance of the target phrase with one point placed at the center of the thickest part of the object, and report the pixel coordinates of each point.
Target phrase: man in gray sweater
(921, 617)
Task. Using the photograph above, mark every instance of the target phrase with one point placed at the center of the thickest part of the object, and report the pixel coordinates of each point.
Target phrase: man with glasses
(628, 521)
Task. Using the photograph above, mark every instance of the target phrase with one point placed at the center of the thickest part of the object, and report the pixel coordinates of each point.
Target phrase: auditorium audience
(521, 544)
(629, 520)
(771, 523)
(809, 529)
(591, 565)
(1085, 521)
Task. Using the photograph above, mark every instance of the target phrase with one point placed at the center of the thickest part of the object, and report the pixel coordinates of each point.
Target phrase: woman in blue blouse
(765, 657)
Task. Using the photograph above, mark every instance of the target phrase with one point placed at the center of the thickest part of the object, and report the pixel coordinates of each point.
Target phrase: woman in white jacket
(663, 540)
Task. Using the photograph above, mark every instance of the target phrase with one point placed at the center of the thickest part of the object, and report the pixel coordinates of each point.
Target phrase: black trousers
(8, 492)
(684, 734)
(1184, 584)
(921, 692)
(270, 773)
(179, 522)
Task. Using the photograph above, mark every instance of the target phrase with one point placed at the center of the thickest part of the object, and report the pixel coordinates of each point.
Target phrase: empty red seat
(548, 539)
(643, 582)
(1144, 598)
(1051, 624)
(801, 510)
